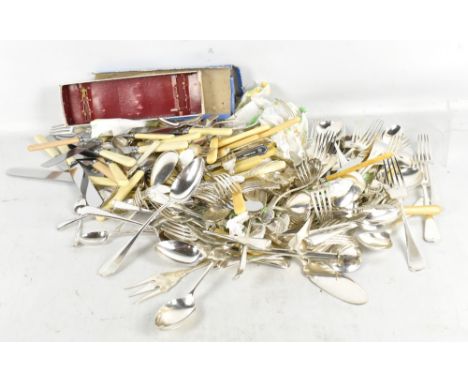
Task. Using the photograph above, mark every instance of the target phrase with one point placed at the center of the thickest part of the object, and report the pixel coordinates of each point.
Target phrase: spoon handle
(208, 268)
(415, 259)
(94, 211)
(114, 263)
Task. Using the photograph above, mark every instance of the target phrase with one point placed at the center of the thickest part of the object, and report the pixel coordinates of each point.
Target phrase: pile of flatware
(265, 187)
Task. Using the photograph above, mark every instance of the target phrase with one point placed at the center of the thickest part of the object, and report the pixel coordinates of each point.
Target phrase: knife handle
(247, 164)
(265, 169)
(242, 142)
(430, 210)
(224, 131)
(50, 144)
(102, 181)
(103, 169)
(52, 152)
(280, 127)
(238, 202)
(185, 138)
(154, 137)
(123, 192)
(118, 174)
(257, 130)
(213, 152)
(124, 160)
(367, 163)
(165, 146)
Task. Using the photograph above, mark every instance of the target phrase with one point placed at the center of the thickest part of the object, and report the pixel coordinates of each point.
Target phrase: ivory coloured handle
(118, 174)
(243, 142)
(213, 153)
(124, 160)
(102, 181)
(238, 203)
(359, 166)
(169, 146)
(266, 168)
(430, 210)
(280, 127)
(103, 169)
(247, 164)
(49, 144)
(184, 138)
(224, 131)
(155, 137)
(52, 152)
(257, 130)
(123, 192)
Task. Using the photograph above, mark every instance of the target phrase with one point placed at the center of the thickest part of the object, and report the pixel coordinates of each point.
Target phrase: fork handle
(44, 146)
(52, 152)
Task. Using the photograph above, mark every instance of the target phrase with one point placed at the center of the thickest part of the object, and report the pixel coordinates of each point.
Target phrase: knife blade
(39, 173)
(88, 191)
(72, 152)
(76, 174)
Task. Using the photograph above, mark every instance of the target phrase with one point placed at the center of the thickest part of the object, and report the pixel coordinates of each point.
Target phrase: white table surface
(51, 290)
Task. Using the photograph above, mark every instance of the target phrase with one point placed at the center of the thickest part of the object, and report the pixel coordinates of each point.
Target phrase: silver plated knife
(75, 174)
(39, 173)
(72, 152)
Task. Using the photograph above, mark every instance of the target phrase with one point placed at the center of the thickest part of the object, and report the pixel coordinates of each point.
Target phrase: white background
(328, 77)
(54, 292)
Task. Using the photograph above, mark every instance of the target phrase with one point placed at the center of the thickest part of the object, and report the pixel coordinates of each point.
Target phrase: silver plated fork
(66, 131)
(363, 138)
(395, 187)
(161, 283)
(422, 160)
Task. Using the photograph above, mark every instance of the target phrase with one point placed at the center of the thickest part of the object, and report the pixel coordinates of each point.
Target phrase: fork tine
(150, 295)
(140, 283)
(388, 175)
(428, 147)
(398, 173)
(145, 289)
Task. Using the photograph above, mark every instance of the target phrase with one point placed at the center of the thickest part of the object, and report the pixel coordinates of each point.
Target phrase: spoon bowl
(163, 167)
(94, 237)
(374, 240)
(174, 312)
(180, 252)
(187, 181)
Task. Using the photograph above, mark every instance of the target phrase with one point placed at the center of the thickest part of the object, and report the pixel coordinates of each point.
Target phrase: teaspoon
(174, 312)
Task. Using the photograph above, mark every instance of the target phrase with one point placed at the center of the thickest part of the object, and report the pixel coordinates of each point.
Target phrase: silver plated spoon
(180, 252)
(182, 188)
(173, 313)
